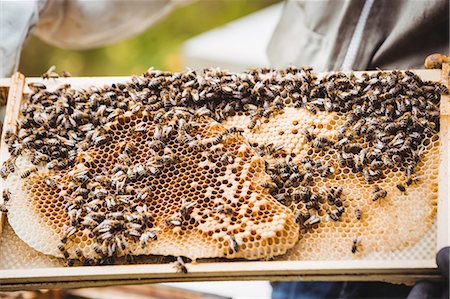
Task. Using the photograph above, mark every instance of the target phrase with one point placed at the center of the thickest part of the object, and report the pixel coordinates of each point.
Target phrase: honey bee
(62, 249)
(218, 139)
(333, 215)
(50, 73)
(401, 187)
(311, 108)
(6, 195)
(69, 232)
(234, 245)
(175, 220)
(233, 130)
(3, 208)
(146, 236)
(36, 86)
(6, 169)
(356, 244)
(222, 207)
(358, 214)
(50, 182)
(378, 193)
(313, 219)
(252, 123)
(28, 172)
(186, 208)
(142, 194)
(180, 266)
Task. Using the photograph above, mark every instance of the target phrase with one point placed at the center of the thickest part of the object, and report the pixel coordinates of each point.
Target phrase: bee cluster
(109, 152)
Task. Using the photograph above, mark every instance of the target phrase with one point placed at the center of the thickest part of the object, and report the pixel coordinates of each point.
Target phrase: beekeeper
(327, 35)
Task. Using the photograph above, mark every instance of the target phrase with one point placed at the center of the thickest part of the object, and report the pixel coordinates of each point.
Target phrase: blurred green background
(159, 46)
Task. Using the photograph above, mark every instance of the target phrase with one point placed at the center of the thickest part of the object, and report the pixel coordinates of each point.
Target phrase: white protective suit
(73, 24)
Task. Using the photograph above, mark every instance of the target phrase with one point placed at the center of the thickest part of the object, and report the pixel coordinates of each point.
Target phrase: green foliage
(159, 46)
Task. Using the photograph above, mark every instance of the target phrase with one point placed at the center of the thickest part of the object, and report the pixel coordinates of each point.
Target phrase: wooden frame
(361, 270)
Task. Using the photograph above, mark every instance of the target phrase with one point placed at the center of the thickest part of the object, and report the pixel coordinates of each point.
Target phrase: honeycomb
(387, 225)
(28, 258)
(209, 163)
(222, 200)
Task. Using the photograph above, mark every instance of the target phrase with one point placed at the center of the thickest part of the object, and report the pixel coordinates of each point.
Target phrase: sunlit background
(160, 46)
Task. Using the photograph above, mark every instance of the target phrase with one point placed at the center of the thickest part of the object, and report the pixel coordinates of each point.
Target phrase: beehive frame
(405, 271)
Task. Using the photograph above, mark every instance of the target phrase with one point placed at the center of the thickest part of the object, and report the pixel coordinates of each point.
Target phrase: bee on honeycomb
(210, 163)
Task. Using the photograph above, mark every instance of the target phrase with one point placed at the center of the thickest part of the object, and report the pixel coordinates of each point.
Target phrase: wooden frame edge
(12, 109)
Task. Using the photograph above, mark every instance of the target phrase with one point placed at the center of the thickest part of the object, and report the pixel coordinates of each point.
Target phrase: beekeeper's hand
(73, 24)
(427, 289)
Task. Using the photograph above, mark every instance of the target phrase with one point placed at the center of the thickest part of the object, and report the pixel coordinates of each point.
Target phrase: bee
(79, 253)
(142, 194)
(274, 149)
(62, 249)
(70, 231)
(311, 108)
(38, 157)
(358, 214)
(3, 208)
(370, 174)
(356, 244)
(6, 195)
(388, 162)
(308, 164)
(156, 145)
(81, 176)
(234, 245)
(313, 203)
(308, 178)
(401, 187)
(180, 266)
(50, 182)
(140, 127)
(102, 139)
(218, 139)
(318, 143)
(305, 194)
(203, 111)
(409, 174)
(74, 215)
(342, 162)
(66, 74)
(186, 208)
(36, 86)
(354, 148)
(223, 208)
(227, 157)
(128, 147)
(124, 158)
(333, 215)
(110, 202)
(325, 171)
(7, 168)
(313, 219)
(175, 220)
(146, 236)
(252, 123)
(233, 130)
(301, 217)
(28, 172)
(50, 73)
(378, 193)
(98, 249)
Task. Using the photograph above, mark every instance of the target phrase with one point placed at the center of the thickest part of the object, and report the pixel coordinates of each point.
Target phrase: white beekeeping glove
(17, 20)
